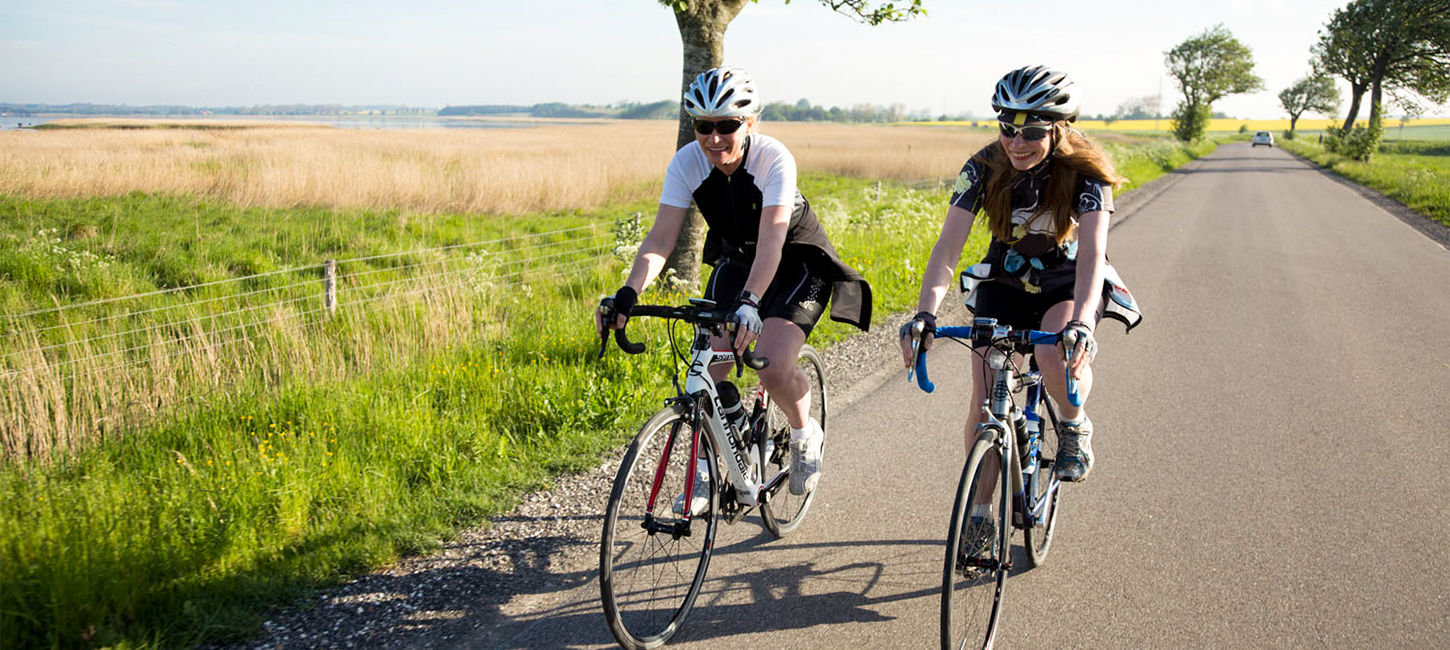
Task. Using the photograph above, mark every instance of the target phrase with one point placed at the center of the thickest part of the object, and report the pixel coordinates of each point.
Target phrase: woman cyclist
(1047, 191)
(773, 265)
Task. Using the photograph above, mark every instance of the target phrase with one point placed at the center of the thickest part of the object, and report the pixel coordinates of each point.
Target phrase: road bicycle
(975, 572)
(656, 548)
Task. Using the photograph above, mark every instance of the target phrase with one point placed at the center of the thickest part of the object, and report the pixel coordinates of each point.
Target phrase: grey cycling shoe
(1074, 451)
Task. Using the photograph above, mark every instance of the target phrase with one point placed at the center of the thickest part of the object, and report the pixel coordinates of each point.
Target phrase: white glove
(749, 318)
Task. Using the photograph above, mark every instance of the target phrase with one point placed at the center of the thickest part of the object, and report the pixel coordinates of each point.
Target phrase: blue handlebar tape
(921, 379)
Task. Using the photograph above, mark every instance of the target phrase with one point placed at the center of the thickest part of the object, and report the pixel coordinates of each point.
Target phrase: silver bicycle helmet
(722, 92)
(1037, 90)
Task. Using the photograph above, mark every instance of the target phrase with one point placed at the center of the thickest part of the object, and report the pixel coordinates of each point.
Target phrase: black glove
(618, 304)
(928, 321)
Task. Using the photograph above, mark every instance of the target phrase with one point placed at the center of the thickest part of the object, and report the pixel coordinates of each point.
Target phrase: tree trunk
(1356, 93)
(1293, 119)
(702, 32)
(1376, 113)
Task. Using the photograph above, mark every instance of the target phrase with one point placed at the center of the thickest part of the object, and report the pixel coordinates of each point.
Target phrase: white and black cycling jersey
(732, 204)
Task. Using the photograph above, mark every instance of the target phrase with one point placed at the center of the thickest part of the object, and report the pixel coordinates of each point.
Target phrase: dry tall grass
(433, 170)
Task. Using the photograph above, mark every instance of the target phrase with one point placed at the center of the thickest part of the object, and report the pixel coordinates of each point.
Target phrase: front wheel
(783, 511)
(975, 572)
(651, 565)
(1044, 489)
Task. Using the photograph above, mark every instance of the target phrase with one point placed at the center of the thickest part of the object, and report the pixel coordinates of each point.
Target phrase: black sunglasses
(724, 127)
(1029, 133)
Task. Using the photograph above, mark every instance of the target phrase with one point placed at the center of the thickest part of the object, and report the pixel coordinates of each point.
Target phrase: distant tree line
(804, 111)
(549, 109)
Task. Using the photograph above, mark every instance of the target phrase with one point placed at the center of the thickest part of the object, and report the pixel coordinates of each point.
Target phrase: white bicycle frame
(748, 484)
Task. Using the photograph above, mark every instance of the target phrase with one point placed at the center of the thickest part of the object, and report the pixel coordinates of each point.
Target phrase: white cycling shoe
(805, 459)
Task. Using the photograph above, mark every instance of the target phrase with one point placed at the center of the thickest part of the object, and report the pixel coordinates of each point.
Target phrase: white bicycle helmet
(1037, 90)
(722, 92)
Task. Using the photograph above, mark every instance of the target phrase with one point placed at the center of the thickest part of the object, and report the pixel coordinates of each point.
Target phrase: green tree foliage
(1189, 123)
(661, 110)
(702, 25)
(1311, 94)
(1400, 47)
(1208, 67)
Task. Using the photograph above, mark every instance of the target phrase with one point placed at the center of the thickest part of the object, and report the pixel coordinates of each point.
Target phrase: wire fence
(134, 322)
(70, 373)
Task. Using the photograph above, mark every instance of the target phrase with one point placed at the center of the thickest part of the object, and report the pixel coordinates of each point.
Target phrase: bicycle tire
(646, 584)
(1038, 538)
(971, 598)
(782, 511)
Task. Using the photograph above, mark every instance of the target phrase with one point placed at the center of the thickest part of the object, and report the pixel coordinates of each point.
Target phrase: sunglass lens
(1029, 133)
(725, 127)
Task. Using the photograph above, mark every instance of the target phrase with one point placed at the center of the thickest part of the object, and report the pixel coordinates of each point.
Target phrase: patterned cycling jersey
(732, 205)
(1032, 259)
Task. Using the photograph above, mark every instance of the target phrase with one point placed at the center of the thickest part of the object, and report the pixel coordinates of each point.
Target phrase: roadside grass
(1415, 173)
(1142, 162)
(188, 528)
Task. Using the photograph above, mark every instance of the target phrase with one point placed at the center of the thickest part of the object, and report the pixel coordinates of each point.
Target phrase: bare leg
(781, 341)
(991, 466)
(1054, 368)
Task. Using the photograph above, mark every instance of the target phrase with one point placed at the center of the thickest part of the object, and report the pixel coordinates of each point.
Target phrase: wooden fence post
(329, 287)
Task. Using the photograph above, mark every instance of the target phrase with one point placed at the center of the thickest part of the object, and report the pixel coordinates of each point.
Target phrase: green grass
(187, 528)
(1437, 133)
(1416, 174)
(1142, 162)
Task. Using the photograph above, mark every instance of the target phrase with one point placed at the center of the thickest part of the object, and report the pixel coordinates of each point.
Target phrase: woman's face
(723, 150)
(1024, 152)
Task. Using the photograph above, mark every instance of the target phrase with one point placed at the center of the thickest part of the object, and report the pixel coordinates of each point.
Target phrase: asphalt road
(1273, 459)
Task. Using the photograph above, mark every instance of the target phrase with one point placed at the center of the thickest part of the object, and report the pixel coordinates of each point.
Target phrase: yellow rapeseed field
(503, 170)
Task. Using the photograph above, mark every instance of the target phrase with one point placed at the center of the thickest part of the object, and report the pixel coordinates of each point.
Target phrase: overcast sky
(434, 53)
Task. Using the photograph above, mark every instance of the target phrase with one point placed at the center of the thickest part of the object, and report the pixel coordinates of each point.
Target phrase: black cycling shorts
(795, 294)
(1016, 308)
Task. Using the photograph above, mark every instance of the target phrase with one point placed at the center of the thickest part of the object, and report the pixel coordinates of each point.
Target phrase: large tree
(1315, 93)
(1208, 67)
(1399, 47)
(702, 26)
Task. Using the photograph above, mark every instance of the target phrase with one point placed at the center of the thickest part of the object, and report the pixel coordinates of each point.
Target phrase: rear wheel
(1044, 487)
(651, 567)
(975, 573)
(783, 511)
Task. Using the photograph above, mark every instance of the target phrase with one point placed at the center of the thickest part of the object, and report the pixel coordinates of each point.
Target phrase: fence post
(878, 191)
(329, 287)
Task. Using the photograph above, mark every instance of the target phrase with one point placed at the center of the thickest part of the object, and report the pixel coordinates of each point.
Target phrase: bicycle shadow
(760, 600)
